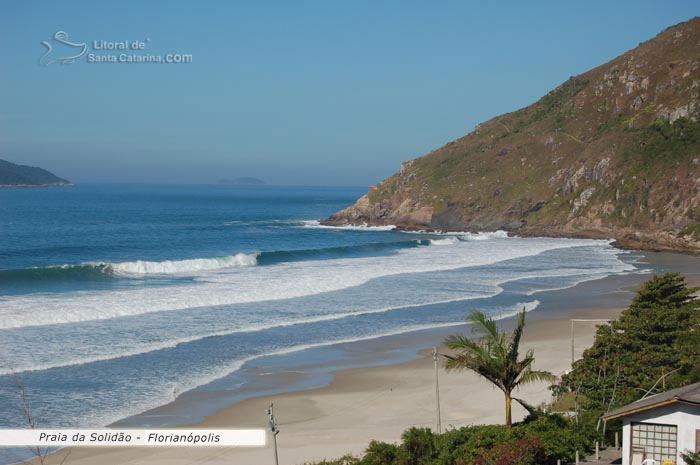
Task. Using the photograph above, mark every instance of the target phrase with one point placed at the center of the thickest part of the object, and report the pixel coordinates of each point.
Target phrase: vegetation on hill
(613, 152)
(28, 176)
(537, 440)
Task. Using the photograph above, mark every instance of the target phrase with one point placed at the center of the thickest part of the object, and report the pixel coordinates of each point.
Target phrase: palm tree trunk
(509, 420)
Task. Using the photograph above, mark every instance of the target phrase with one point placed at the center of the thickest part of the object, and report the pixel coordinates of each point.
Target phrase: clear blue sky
(315, 93)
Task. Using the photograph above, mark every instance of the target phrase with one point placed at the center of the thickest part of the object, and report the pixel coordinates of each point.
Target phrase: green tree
(495, 356)
(656, 335)
(690, 457)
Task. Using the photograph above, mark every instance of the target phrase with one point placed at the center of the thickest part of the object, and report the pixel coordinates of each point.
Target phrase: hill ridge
(613, 152)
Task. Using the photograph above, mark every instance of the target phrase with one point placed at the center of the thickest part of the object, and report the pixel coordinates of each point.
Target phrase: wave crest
(446, 241)
(485, 236)
(315, 224)
(142, 267)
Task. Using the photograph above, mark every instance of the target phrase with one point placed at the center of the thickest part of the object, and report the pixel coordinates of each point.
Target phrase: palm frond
(533, 376)
(474, 355)
(470, 353)
(514, 345)
(495, 356)
(483, 325)
(531, 409)
(460, 343)
(466, 362)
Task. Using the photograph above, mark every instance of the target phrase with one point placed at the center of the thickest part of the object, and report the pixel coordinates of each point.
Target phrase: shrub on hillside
(379, 453)
(524, 451)
(560, 437)
(538, 440)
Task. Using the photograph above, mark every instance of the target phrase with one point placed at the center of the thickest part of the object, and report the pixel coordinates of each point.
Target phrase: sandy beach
(380, 402)
(364, 404)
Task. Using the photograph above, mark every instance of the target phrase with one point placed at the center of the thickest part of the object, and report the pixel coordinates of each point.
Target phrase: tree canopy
(657, 335)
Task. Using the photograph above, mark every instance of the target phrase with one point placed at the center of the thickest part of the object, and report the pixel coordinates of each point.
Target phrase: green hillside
(611, 153)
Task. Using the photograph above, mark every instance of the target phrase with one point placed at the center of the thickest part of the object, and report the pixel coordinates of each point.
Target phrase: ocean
(115, 299)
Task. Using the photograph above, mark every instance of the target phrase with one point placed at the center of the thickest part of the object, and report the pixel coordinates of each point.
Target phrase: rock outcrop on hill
(611, 153)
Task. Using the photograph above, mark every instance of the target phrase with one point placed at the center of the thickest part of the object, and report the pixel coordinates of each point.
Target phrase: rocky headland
(611, 153)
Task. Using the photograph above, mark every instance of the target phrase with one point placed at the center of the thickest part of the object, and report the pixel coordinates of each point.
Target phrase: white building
(661, 426)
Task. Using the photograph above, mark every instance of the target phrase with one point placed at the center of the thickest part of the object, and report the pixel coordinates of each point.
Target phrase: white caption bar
(132, 437)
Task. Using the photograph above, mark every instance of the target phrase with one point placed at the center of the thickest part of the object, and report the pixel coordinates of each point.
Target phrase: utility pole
(602, 320)
(273, 429)
(437, 390)
(572, 344)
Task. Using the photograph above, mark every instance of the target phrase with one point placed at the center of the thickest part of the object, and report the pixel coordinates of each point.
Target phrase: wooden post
(577, 458)
(437, 391)
(572, 342)
(572, 333)
(558, 461)
(273, 429)
(597, 451)
(617, 443)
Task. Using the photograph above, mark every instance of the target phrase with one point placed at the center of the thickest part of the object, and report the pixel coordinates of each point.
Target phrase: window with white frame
(659, 441)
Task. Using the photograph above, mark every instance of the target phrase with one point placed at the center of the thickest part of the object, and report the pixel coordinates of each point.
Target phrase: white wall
(685, 417)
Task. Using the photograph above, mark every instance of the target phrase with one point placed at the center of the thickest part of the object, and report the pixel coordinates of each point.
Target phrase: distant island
(12, 175)
(242, 181)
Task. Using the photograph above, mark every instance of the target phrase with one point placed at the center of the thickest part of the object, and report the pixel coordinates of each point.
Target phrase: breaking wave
(315, 224)
(142, 267)
(284, 280)
(104, 270)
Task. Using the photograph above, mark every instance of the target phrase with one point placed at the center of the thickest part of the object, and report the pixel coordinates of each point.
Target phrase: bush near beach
(655, 344)
(538, 439)
(657, 336)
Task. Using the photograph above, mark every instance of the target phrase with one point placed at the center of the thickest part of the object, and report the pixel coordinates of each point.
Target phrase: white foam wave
(315, 224)
(485, 236)
(169, 344)
(142, 267)
(254, 284)
(44, 357)
(478, 236)
(173, 390)
(446, 241)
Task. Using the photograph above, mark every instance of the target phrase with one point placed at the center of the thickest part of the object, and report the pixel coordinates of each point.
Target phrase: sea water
(115, 299)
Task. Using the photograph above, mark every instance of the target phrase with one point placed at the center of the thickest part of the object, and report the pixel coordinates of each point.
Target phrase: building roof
(689, 394)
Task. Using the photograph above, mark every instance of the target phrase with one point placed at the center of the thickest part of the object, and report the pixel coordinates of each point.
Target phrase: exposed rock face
(611, 153)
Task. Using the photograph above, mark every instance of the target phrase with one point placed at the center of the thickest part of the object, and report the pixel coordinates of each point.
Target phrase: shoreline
(346, 394)
(364, 403)
(623, 239)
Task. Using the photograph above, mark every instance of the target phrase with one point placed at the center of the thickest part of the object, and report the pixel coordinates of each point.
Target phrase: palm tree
(494, 356)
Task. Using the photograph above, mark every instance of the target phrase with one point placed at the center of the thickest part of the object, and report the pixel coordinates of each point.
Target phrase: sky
(292, 92)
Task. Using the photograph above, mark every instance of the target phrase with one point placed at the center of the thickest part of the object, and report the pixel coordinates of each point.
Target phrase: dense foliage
(662, 141)
(656, 335)
(542, 440)
(691, 458)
